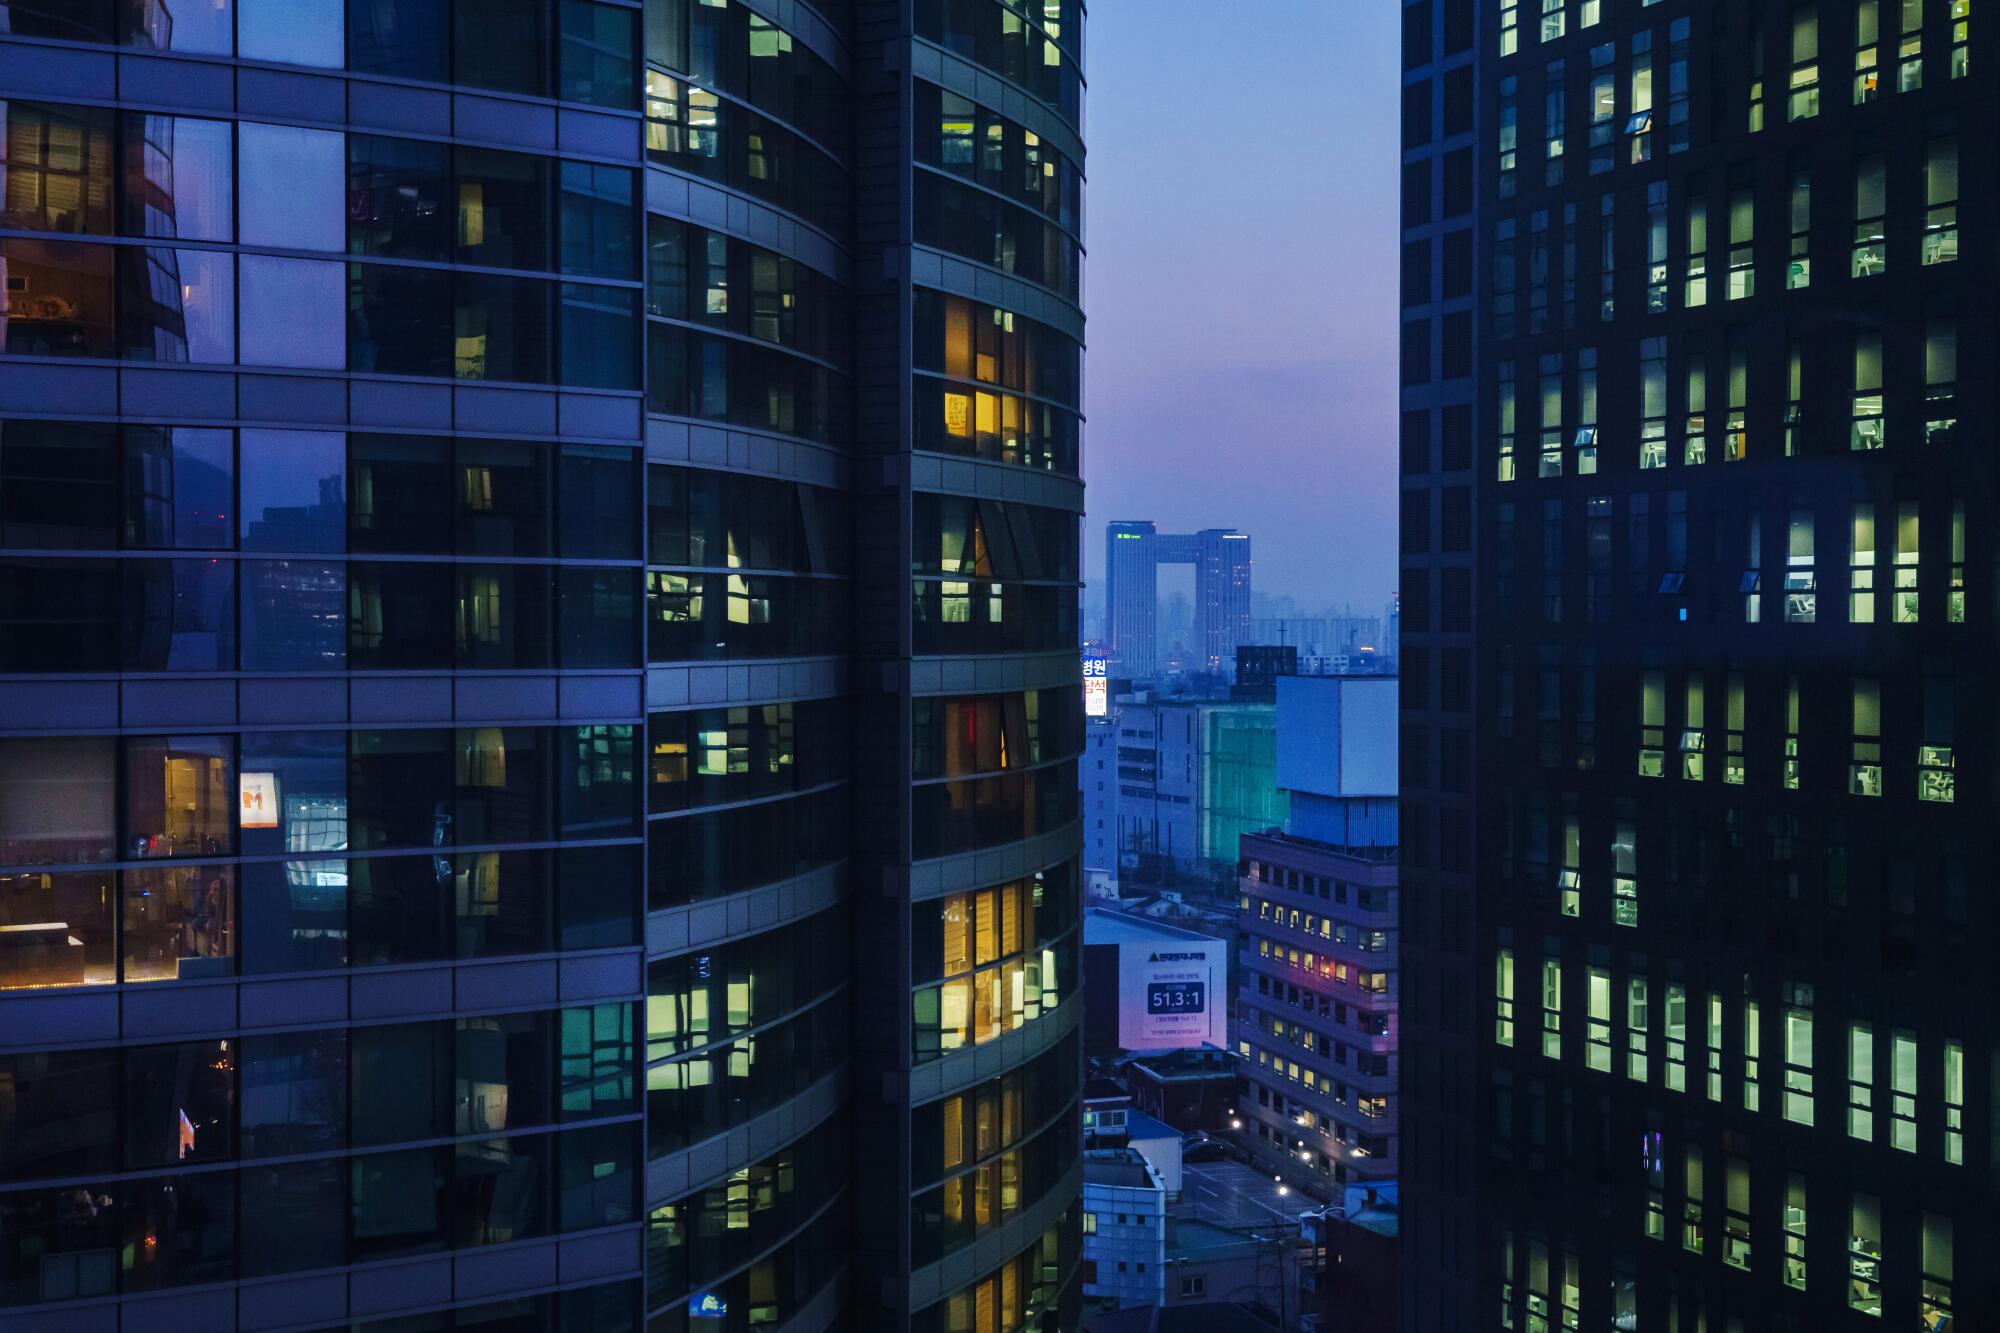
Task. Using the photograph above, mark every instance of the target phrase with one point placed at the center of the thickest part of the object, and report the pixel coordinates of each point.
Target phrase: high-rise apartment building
(465, 468)
(1696, 569)
(1133, 554)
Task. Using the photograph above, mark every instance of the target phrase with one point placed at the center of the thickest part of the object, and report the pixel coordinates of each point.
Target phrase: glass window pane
(400, 320)
(594, 896)
(56, 930)
(294, 1093)
(176, 305)
(504, 497)
(501, 776)
(292, 32)
(400, 1203)
(404, 38)
(180, 1104)
(398, 197)
(597, 54)
(400, 618)
(598, 618)
(503, 904)
(502, 617)
(600, 336)
(399, 494)
(69, 20)
(180, 486)
(502, 44)
(203, 27)
(292, 793)
(295, 195)
(402, 1083)
(401, 910)
(294, 490)
(180, 615)
(500, 1189)
(503, 1066)
(58, 1113)
(599, 223)
(501, 328)
(294, 1217)
(59, 615)
(294, 615)
(396, 786)
(600, 790)
(598, 492)
(58, 485)
(178, 1230)
(599, 1176)
(180, 179)
(179, 923)
(57, 800)
(179, 796)
(294, 916)
(292, 312)
(58, 300)
(504, 205)
(57, 164)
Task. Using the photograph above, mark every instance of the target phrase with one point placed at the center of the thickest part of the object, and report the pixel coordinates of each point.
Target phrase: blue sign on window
(1176, 997)
(707, 1305)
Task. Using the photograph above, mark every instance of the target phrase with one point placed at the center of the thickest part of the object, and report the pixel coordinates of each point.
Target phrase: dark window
(505, 200)
(399, 495)
(1417, 193)
(400, 618)
(180, 1104)
(596, 60)
(59, 485)
(1417, 114)
(502, 328)
(58, 1113)
(399, 199)
(502, 44)
(404, 38)
(294, 1217)
(1458, 101)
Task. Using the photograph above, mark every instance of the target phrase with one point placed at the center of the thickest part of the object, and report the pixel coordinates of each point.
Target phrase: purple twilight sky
(1241, 282)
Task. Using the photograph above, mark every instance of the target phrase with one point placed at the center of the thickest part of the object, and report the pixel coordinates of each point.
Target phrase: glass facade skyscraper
(538, 693)
(1698, 643)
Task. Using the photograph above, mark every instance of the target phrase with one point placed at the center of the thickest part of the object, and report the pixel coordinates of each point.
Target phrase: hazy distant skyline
(1242, 368)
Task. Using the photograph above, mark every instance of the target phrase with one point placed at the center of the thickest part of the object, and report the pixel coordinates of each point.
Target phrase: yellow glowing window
(958, 413)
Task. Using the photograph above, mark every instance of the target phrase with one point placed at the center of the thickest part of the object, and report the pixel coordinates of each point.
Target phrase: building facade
(1318, 984)
(1192, 777)
(464, 471)
(1695, 557)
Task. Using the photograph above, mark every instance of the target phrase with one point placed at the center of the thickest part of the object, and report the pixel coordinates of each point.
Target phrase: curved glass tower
(538, 692)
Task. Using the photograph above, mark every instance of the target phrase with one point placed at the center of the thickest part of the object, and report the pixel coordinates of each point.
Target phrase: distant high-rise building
(1698, 512)
(1221, 559)
(1131, 598)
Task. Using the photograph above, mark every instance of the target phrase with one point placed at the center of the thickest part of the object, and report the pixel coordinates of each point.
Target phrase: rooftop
(1122, 1168)
(1105, 927)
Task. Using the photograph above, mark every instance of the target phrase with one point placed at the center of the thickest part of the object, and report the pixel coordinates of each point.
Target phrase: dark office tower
(1697, 495)
(448, 527)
